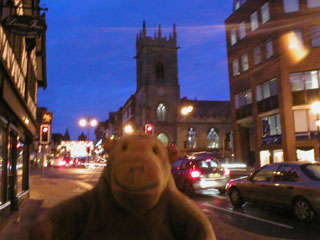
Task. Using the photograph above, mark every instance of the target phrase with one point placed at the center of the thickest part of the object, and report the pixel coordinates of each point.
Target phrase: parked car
(62, 162)
(197, 173)
(293, 185)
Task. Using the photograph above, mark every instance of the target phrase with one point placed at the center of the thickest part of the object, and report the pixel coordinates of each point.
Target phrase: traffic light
(44, 134)
(149, 128)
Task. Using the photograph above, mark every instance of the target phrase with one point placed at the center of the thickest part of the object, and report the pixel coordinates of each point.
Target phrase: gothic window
(163, 138)
(161, 112)
(213, 138)
(160, 70)
(192, 140)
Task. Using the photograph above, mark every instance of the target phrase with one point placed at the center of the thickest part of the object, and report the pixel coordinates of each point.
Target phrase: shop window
(19, 166)
(192, 140)
(265, 14)
(313, 3)
(213, 138)
(290, 6)
(264, 158)
(257, 55)
(233, 35)
(242, 30)
(245, 62)
(305, 155)
(277, 155)
(161, 112)
(315, 35)
(254, 21)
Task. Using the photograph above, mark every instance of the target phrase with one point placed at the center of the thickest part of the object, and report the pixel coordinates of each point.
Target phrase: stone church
(156, 106)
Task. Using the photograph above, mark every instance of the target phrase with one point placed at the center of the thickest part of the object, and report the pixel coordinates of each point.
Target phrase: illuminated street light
(87, 122)
(186, 110)
(128, 129)
(315, 107)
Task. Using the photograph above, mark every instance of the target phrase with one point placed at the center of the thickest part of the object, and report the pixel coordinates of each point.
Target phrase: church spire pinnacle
(144, 30)
(159, 31)
(174, 32)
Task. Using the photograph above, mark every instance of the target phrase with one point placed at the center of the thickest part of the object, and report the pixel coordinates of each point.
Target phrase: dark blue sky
(91, 45)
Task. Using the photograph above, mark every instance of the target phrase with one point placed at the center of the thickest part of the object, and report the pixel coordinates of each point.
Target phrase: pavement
(44, 193)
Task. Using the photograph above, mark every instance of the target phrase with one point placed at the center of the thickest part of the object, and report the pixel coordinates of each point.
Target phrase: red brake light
(195, 174)
(208, 160)
(226, 172)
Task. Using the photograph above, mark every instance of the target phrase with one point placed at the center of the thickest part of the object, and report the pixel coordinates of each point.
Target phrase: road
(252, 221)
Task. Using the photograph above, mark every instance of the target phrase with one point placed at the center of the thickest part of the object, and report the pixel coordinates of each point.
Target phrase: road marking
(84, 185)
(248, 216)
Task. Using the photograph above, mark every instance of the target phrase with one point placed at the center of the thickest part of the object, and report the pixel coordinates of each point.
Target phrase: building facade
(155, 107)
(274, 72)
(22, 72)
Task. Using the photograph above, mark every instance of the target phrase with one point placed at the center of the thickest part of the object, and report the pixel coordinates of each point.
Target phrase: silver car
(293, 185)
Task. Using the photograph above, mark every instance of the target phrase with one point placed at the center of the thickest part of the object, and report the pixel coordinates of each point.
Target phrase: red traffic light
(148, 128)
(45, 130)
(44, 134)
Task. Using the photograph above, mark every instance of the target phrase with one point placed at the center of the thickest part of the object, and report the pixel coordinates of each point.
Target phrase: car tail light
(62, 163)
(226, 172)
(195, 174)
(71, 162)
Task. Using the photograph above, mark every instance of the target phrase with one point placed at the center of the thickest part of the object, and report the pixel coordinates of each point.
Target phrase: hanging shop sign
(25, 25)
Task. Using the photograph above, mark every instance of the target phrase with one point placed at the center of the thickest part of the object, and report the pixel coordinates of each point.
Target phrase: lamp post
(88, 122)
(315, 108)
(128, 129)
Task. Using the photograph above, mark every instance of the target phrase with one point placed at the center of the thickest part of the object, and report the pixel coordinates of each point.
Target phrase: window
(286, 174)
(315, 36)
(160, 70)
(213, 138)
(161, 112)
(271, 125)
(235, 67)
(265, 14)
(257, 55)
(192, 140)
(312, 171)
(304, 80)
(265, 174)
(1, 163)
(269, 48)
(267, 89)
(290, 6)
(242, 30)
(245, 62)
(254, 21)
(20, 148)
(242, 99)
(304, 120)
(233, 36)
(313, 3)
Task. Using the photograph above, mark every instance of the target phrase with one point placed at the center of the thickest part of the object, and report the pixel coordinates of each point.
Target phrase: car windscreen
(206, 164)
(312, 171)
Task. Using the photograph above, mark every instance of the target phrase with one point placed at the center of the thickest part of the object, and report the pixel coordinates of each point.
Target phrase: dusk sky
(91, 46)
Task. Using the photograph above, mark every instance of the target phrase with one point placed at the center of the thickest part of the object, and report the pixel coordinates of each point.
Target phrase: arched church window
(161, 112)
(213, 138)
(163, 138)
(160, 70)
(192, 140)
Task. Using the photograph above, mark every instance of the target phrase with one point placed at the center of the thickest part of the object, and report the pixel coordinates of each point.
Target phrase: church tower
(158, 90)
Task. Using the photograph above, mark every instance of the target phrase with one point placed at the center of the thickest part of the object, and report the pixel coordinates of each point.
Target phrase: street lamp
(128, 129)
(315, 108)
(88, 122)
(186, 110)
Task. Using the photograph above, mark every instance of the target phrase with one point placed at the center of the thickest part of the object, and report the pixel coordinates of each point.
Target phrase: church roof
(207, 109)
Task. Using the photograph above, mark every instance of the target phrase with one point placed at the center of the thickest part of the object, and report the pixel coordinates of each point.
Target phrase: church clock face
(161, 91)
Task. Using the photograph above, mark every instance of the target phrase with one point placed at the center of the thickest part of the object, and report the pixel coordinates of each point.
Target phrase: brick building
(274, 71)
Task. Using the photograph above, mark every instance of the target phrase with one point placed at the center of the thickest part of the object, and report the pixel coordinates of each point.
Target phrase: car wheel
(188, 188)
(222, 190)
(235, 197)
(302, 210)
